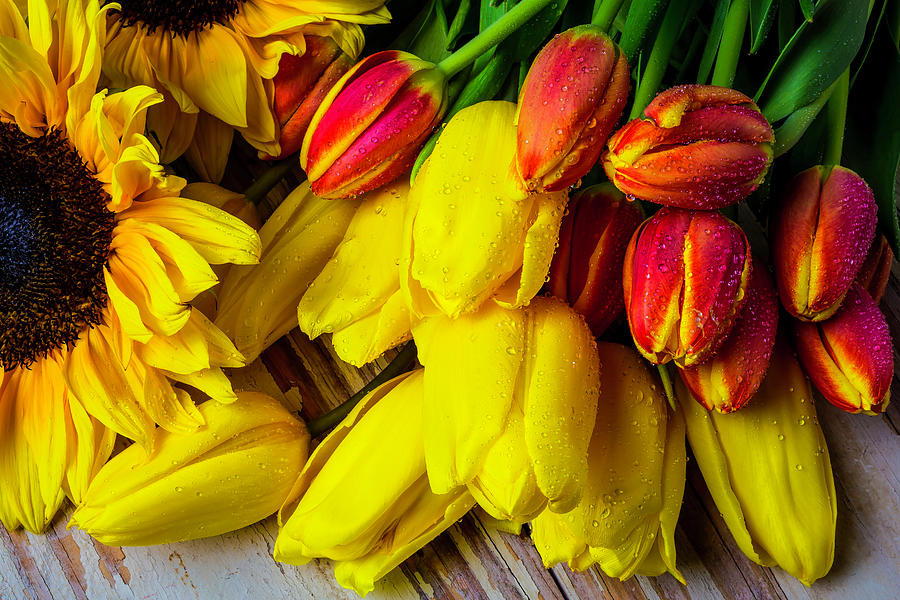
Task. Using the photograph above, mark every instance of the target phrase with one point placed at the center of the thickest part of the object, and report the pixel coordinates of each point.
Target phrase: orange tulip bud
(587, 269)
(372, 124)
(730, 378)
(685, 277)
(849, 357)
(301, 85)
(572, 97)
(699, 146)
(820, 235)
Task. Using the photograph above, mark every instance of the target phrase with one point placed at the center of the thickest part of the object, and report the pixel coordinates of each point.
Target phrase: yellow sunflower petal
(217, 236)
(211, 382)
(90, 447)
(208, 150)
(11, 22)
(27, 95)
(218, 84)
(127, 312)
(171, 408)
(140, 274)
(96, 376)
(198, 346)
(171, 128)
(83, 32)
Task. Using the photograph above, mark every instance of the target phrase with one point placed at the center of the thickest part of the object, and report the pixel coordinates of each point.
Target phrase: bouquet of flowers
(591, 235)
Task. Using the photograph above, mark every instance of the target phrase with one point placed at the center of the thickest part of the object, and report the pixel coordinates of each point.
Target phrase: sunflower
(214, 61)
(98, 258)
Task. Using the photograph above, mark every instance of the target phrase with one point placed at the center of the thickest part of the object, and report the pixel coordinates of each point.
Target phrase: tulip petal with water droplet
(768, 471)
(233, 471)
(849, 357)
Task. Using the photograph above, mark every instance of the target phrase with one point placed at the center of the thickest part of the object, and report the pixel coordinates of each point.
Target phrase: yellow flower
(363, 499)
(357, 295)
(215, 60)
(768, 471)
(510, 399)
(233, 471)
(473, 231)
(99, 260)
(258, 304)
(626, 519)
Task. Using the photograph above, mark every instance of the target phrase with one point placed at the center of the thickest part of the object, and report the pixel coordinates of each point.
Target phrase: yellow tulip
(473, 231)
(363, 498)
(768, 470)
(356, 297)
(625, 522)
(233, 471)
(258, 304)
(510, 399)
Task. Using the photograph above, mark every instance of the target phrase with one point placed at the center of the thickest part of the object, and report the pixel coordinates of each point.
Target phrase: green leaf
(807, 8)
(872, 139)
(459, 21)
(814, 57)
(532, 34)
(762, 15)
(643, 19)
(431, 41)
(712, 41)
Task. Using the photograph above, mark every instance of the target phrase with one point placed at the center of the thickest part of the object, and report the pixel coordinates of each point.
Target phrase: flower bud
(768, 471)
(370, 127)
(301, 84)
(876, 268)
(510, 399)
(363, 498)
(821, 232)
(258, 305)
(625, 522)
(473, 232)
(356, 297)
(587, 268)
(700, 146)
(849, 357)
(573, 95)
(729, 379)
(233, 471)
(685, 278)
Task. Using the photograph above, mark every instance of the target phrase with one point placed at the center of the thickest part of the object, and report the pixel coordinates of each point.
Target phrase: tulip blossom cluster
(546, 320)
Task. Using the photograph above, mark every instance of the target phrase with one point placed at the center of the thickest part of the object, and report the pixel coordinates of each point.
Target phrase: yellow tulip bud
(473, 231)
(768, 470)
(258, 304)
(626, 519)
(363, 498)
(235, 470)
(510, 399)
(357, 296)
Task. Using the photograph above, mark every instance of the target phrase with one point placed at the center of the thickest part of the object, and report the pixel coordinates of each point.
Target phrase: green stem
(269, 179)
(666, 378)
(490, 37)
(658, 62)
(398, 366)
(732, 40)
(605, 13)
(836, 113)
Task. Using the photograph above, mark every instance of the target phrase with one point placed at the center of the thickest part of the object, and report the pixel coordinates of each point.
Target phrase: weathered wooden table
(471, 560)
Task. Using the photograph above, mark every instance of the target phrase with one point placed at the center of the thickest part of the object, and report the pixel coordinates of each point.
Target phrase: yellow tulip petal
(368, 338)
(561, 383)
(554, 540)
(259, 305)
(505, 485)
(768, 470)
(471, 368)
(234, 471)
(472, 212)
(362, 274)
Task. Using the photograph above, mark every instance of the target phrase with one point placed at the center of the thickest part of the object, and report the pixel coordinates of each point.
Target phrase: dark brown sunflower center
(55, 234)
(178, 17)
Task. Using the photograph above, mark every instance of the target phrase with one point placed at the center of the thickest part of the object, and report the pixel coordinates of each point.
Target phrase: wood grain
(471, 560)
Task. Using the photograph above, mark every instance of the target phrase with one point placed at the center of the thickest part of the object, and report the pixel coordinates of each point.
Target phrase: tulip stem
(658, 62)
(732, 40)
(258, 190)
(668, 388)
(490, 37)
(399, 365)
(605, 12)
(837, 119)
